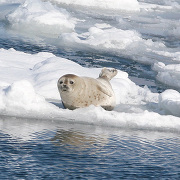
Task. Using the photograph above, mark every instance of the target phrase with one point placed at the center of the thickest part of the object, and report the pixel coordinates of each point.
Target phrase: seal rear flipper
(104, 90)
(108, 74)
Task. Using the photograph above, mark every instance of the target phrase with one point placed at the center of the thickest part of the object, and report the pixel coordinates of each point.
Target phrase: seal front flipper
(63, 105)
(104, 90)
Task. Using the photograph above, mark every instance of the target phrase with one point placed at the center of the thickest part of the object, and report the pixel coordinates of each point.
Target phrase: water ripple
(45, 149)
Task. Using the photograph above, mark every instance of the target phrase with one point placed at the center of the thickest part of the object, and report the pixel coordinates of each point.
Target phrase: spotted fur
(77, 92)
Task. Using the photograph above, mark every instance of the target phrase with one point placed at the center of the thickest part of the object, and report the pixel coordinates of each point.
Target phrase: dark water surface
(45, 149)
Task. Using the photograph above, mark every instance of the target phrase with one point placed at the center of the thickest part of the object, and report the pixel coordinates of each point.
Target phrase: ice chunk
(21, 96)
(168, 74)
(37, 17)
(127, 43)
(170, 102)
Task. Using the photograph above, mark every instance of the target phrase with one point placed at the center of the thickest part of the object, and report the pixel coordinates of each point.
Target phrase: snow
(34, 94)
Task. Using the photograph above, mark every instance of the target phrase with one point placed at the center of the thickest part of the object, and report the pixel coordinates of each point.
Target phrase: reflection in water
(46, 149)
(79, 139)
(72, 138)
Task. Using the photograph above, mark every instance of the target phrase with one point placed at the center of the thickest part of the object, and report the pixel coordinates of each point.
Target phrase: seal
(78, 92)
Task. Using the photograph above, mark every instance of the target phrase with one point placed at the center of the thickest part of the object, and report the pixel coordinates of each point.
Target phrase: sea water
(41, 140)
(46, 149)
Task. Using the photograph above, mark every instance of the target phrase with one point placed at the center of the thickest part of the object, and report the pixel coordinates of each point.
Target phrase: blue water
(72, 151)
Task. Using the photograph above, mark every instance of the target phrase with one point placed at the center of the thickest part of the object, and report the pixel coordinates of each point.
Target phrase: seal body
(79, 92)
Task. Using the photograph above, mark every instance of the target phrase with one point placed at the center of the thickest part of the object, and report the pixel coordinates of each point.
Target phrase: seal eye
(71, 82)
(60, 82)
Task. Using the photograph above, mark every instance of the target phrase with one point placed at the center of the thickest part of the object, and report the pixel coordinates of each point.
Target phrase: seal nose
(64, 85)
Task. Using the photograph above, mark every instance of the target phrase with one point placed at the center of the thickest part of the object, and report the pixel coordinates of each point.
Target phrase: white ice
(168, 74)
(32, 93)
(128, 5)
(126, 43)
(36, 17)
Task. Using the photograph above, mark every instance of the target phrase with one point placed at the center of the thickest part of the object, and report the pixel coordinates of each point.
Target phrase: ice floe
(34, 94)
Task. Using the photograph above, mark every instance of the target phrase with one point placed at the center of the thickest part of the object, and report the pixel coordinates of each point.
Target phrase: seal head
(67, 82)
